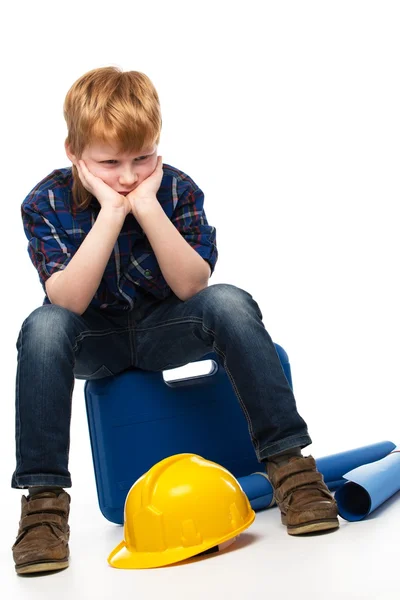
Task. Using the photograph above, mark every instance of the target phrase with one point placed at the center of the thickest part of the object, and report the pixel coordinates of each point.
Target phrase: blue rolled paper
(258, 490)
(333, 468)
(369, 486)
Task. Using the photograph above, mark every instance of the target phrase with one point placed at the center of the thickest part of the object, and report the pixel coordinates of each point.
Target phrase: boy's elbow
(192, 292)
(74, 308)
(76, 303)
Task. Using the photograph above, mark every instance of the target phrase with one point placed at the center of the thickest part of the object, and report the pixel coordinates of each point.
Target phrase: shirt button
(147, 272)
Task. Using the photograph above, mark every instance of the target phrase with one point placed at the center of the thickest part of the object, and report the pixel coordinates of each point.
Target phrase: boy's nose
(127, 177)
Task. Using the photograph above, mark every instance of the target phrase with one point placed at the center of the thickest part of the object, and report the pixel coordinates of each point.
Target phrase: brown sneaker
(305, 502)
(42, 542)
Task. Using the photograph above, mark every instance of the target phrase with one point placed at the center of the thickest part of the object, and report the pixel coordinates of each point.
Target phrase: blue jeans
(55, 346)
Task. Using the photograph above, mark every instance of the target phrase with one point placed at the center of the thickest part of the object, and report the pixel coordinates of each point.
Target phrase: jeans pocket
(103, 371)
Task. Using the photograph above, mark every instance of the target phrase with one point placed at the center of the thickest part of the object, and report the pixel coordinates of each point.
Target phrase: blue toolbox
(137, 418)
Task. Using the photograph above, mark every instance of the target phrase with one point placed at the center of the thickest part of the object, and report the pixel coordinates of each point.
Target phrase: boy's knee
(230, 300)
(46, 321)
(227, 296)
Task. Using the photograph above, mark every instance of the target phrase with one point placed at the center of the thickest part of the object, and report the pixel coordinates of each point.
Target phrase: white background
(286, 114)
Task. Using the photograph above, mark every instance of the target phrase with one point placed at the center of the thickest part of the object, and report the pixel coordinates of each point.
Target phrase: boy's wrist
(143, 206)
(113, 214)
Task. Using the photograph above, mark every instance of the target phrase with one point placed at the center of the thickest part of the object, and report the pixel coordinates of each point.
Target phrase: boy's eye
(113, 162)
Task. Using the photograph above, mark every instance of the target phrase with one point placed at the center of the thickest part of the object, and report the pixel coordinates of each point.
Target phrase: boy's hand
(145, 193)
(106, 196)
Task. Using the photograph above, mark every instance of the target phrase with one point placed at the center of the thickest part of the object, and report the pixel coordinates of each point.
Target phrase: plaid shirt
(55, 229)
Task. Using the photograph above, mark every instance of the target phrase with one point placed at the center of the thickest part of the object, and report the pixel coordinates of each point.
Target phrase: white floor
(359, 561)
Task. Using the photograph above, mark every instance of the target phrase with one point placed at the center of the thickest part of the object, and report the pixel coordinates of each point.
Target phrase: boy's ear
(71, 156)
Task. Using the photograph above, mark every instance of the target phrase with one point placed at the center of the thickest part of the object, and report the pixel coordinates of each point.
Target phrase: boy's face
(122, 172)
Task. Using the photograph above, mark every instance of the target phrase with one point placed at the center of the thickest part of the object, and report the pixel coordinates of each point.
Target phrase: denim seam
(31, 480)
(86, 334)
(17, 415)
(179, 321)
(299, 439)
(235, 388)
(132, 344)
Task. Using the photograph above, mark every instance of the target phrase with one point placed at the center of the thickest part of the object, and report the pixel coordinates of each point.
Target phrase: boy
(124, 252)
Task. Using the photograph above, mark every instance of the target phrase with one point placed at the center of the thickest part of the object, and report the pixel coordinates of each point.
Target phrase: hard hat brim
(123, 558)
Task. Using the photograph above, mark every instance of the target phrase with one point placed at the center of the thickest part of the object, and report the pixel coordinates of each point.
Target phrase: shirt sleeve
(49, 248)
(191, 221)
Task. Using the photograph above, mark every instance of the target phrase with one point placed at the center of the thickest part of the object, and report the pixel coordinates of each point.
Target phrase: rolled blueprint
(260, 493)
(368, 486)
(258, 490)
(334, 467)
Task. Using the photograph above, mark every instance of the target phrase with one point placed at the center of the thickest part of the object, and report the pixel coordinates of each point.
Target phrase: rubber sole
(41, 567)
(312, 527)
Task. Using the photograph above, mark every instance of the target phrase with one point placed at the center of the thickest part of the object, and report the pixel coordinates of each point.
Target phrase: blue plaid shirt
(55, 229)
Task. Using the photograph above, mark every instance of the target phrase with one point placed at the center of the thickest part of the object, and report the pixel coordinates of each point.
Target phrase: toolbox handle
(210, 360)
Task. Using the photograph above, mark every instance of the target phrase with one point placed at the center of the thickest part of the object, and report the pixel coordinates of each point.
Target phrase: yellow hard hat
(182, 506)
